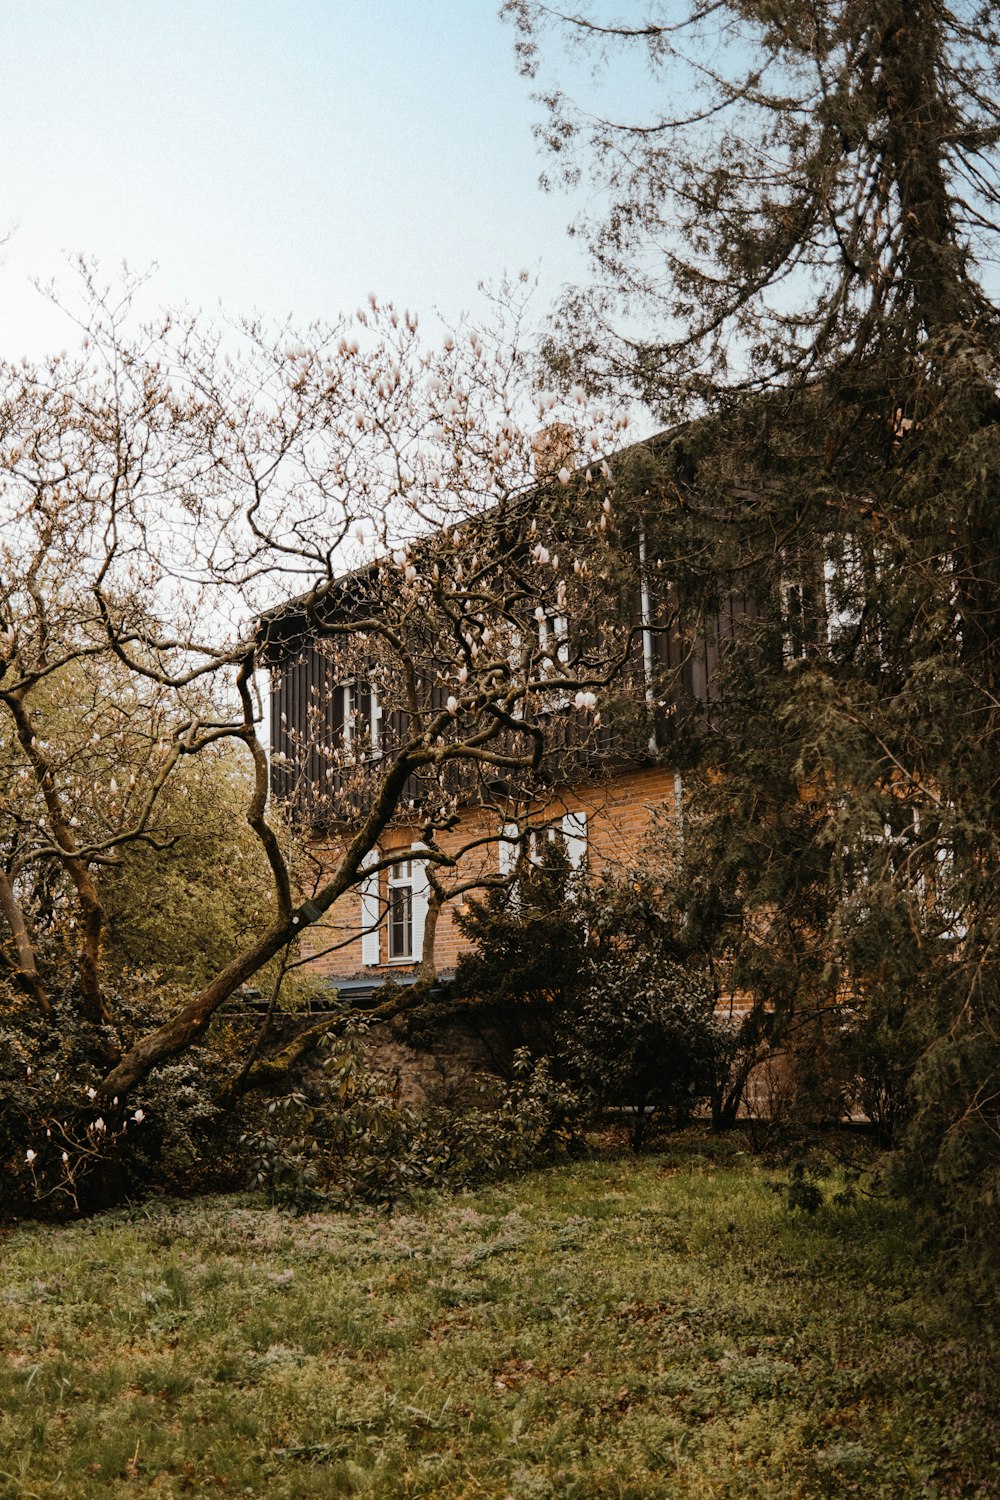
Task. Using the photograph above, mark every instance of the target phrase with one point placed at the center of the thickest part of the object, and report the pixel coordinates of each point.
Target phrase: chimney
(552, 448)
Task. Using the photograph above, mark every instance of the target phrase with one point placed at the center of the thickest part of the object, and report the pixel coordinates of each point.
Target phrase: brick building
(338, 720)
(376, 932)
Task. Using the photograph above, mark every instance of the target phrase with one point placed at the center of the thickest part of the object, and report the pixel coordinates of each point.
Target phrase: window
(823, 596)
(843, 589)
(362, 716)
(399, 888)
(553, 639)
(554, 654)
(371, 912)
(395, 899)
(800, 618)
(570, 831)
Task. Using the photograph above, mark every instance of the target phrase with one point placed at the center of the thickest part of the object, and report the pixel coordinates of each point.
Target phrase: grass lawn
(666, 1328)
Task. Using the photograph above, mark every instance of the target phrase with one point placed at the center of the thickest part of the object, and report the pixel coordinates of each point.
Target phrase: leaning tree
(162, 492)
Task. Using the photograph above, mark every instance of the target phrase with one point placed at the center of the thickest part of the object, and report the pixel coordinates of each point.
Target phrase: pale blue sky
(280, 155)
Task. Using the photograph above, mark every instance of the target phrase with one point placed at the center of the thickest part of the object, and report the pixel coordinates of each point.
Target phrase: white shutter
(419, 892)
(574, 832)
(370, 912)
(376, 722)
(561, 627)
(507, 849)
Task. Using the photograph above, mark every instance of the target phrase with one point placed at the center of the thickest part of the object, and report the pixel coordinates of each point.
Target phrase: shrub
(879, 1046)
(62, 1152)
(643, 1036)
(593, 979)
(743, 1046)
(344, 1137)
(528, 952)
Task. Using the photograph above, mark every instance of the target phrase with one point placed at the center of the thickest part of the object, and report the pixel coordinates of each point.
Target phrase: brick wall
(618, 813)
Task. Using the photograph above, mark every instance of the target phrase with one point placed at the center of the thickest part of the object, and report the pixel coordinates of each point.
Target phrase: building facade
(555, 624)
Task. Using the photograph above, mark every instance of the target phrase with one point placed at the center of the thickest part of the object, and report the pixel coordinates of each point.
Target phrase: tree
(594, 979)
(797, 250)
(159, 490)
(526, 956)
(813, 188)
(181, 904)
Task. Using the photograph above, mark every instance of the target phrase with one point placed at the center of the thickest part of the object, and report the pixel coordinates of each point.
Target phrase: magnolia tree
(162, 491)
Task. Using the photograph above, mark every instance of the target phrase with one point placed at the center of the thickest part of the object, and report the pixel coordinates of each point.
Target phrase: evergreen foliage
(643, 1037)
(515, 982)
(803, 234)
(590, 977)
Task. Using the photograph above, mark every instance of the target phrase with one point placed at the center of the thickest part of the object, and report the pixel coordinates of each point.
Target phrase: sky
(283, 158)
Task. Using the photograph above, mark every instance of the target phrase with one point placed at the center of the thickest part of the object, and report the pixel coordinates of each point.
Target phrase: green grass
(665, 1328)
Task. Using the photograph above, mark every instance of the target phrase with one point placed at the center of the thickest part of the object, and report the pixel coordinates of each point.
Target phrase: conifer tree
(813, 189)
(795, 259)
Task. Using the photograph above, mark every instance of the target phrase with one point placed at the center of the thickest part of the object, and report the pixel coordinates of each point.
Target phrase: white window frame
(350, 693)
(570, 831)
(414, 879)
(399, 879)
(553, 639)
(574, 836)
(508, 848)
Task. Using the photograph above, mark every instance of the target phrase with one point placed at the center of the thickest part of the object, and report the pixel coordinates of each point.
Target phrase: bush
(592, 978)
(344, 1138)
(63, 1153)
(643, 1036)
(529, 948)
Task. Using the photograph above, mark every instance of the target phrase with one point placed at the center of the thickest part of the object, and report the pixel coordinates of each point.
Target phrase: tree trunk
(25, 975)
(193, 1019)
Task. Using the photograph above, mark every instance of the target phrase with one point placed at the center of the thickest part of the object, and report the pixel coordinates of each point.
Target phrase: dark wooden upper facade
(332, 729)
